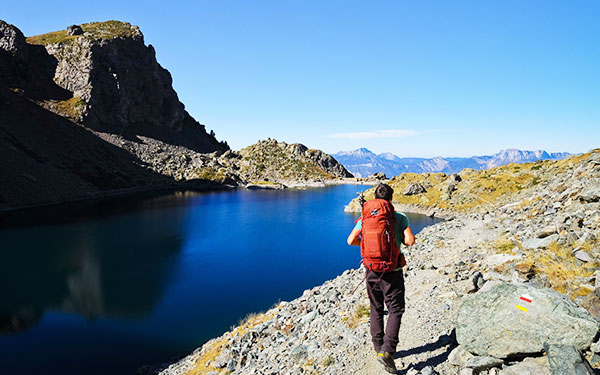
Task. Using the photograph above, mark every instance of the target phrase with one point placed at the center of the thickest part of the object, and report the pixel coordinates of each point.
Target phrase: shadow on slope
(448, 341)
(47, 158)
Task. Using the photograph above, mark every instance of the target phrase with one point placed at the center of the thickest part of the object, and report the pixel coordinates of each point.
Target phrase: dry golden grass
(556, 264)
(504, 245)
(100, 30)
(213, 351)
(477, 189)
(561, 270)
(328, 361)
(210, 174)
(201, 368)
(71, 108)
(361, 312)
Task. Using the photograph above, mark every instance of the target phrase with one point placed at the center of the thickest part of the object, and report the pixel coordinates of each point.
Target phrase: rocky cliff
(89, 112)
(81, 113)
(510, 285)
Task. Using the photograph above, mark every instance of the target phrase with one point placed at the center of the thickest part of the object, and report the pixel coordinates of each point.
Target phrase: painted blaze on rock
(511, 319)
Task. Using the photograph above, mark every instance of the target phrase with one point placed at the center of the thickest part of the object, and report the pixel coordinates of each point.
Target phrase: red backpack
(378, 246)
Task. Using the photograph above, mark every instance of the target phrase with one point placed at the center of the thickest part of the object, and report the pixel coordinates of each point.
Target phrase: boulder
(536, 243)
(74, 30)
(529, 366)
(379, 176)
(583, 256)
(414, 188)
(566, 359)
(481, 363)
(590, 195)
(547, 231)
(452, 187)
(591, 303)
(428, 370)
(455, 177)
(497, 322)
(459, 356)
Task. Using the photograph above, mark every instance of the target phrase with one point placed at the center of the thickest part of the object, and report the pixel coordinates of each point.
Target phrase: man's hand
(353, 238)
(409, 237)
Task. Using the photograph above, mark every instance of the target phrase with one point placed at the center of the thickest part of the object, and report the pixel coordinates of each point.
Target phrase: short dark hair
(384, 191)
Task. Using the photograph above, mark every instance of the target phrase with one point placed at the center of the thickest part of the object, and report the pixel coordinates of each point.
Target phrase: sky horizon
(420, 79)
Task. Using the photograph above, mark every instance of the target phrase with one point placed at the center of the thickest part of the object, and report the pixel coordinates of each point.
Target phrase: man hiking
(379, 232)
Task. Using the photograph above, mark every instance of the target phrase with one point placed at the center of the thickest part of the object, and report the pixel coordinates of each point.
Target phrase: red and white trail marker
(526, 298)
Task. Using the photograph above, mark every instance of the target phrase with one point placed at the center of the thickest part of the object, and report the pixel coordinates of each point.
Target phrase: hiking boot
(387, 360)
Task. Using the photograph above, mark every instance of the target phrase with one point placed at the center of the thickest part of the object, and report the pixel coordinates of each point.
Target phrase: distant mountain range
(363, 163)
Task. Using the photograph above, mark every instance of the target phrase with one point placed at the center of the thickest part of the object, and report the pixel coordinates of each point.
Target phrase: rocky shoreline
(199, 185)
(531, 245)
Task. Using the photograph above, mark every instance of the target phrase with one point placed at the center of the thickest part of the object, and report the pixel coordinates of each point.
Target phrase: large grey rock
(547, 231)
(590, 195)
(489, 322)
(529, 366)
(459, 356)
(481, 363)
(536, 243)
(583, 256)
(74, 30)
(414, 188)
(379, 176)
(455, 177)
(566, 359)
(428, 370)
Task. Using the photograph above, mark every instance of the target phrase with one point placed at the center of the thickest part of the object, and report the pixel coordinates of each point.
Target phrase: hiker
(383, 262)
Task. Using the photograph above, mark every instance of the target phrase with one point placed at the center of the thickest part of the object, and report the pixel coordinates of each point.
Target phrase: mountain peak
(362, 162)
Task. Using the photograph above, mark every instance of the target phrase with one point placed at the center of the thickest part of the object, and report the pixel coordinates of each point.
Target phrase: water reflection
(15, 321)
(117, 268)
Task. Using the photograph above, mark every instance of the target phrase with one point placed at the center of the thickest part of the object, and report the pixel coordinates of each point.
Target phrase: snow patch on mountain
(363, 163)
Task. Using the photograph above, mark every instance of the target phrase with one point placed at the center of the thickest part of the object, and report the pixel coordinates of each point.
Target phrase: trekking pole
(357, 285)
(361, 201)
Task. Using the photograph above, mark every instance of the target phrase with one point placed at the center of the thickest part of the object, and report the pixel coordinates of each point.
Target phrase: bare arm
(409, 237)
(353, 239)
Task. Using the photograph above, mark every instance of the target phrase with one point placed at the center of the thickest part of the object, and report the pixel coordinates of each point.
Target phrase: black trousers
(388, 289)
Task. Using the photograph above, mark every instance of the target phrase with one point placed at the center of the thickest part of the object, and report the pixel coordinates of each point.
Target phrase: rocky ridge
(80, 113)
(289, 164)
(539, 242)
(88, 112)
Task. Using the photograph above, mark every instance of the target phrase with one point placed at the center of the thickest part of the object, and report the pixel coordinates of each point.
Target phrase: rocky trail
(510, 287)
(337, 339)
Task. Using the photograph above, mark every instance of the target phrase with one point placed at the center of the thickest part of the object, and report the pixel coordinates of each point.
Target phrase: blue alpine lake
(112, 286)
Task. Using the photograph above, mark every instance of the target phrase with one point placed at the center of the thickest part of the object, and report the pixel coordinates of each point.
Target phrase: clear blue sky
(416, 78)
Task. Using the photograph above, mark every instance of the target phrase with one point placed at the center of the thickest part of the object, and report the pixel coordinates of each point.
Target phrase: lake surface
(116, 285)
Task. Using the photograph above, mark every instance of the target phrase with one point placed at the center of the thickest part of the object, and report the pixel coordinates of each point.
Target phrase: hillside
(88, 112)
(517, 230)
(271, 160)
(363, 163)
